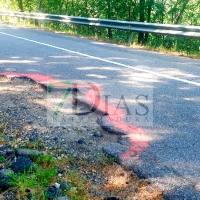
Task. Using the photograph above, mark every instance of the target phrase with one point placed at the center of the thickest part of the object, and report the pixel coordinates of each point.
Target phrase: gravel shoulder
(26, 107)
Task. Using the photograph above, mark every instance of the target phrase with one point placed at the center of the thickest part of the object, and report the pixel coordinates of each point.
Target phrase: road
(169, 86)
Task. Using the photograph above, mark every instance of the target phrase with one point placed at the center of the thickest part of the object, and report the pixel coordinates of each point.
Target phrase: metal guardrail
(166, 29)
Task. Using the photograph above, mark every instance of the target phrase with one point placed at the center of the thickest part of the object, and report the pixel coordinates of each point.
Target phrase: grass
(2, 159)
(104, 159)
(42, 174)
(78, 185)
(46, 161)
(3, 125)
(36, 180)
(45, 176)
(72, 159)
(24, 181)
(34, 145)
(34, 183)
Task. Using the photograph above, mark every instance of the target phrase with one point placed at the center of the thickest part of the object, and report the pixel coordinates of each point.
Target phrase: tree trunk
(109, 17)
(73, 13)
(177, 20)
(40, 6)
(142, 9)
(20, 4)
(129, 13)
(66, 6)
(150, 4)
(38, 10)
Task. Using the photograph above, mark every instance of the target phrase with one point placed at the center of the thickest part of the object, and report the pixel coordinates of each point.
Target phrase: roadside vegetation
(68, 175)
(180, 12)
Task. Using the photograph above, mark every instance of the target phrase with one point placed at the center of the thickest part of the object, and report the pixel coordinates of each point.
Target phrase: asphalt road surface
(160, 92)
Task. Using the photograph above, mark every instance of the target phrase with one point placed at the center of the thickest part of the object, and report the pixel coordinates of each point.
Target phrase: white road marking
(107, 61)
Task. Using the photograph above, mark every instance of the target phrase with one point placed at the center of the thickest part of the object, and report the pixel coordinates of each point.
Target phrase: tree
(20, 4)
(109, 17)
(142, 19)
(150, 4)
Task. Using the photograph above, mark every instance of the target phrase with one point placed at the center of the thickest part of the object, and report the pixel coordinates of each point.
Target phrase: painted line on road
(105, 60)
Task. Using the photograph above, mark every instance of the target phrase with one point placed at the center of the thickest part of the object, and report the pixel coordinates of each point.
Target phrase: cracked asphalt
(171, 160)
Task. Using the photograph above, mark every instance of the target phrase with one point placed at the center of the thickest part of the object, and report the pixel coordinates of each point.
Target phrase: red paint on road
(36, 77)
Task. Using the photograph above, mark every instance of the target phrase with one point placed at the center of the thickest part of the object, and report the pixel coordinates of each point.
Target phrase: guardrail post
(36, 22)
(15, 19)
(78, 29)
(130, 38)
(110, 33)
(2, 18)
(42, 23)
(19, 19)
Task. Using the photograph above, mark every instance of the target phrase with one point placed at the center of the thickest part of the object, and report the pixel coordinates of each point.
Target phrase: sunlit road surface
(159, 93)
